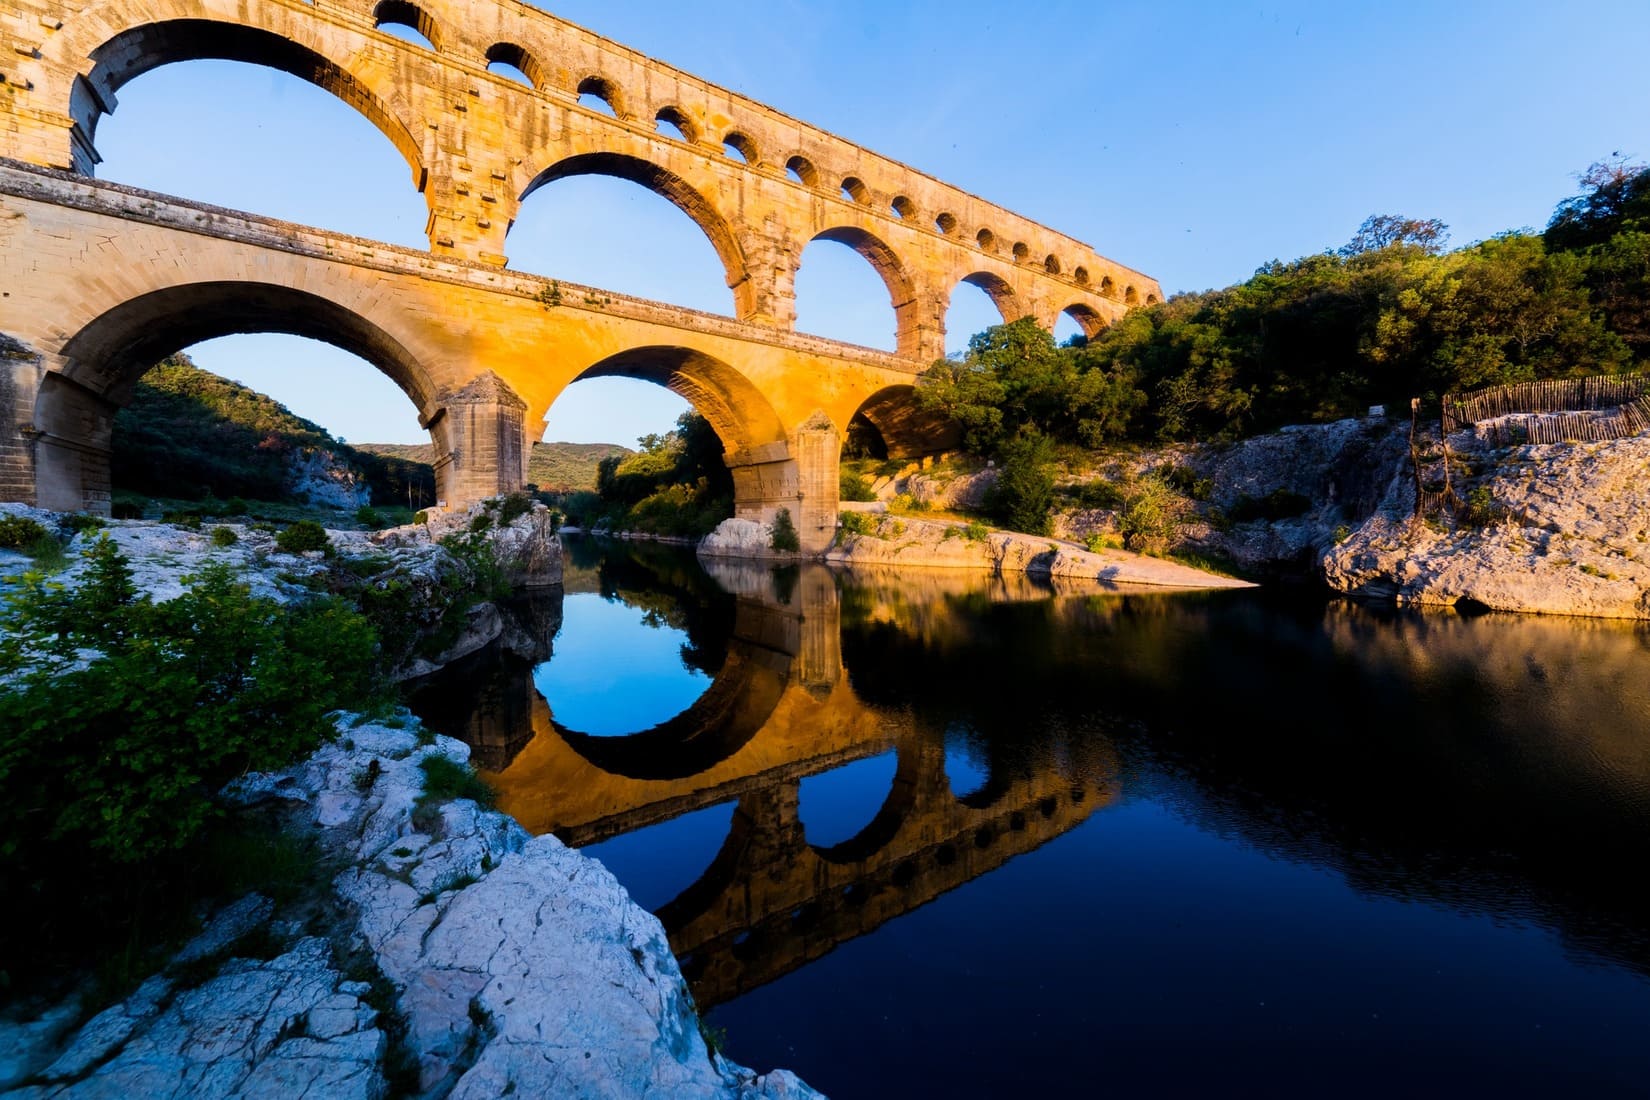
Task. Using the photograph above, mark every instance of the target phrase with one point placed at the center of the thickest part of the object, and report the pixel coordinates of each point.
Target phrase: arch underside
(886, 263)
(736, 409)
(680, 193)
(1001, 294)
(149, 46)
(1089, 319)
(111, 353)
(907, 429)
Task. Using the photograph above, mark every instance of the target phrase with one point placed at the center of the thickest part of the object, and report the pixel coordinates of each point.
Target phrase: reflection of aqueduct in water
(781, 709)
(102, 281)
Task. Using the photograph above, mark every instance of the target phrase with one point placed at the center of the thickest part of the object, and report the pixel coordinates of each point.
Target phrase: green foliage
(976, 531)
(785, 539)
(676, 485)
(303, 536)
(187, 433)
(1022, 499)
(20, 532)
(445, 780)
(1481, 509)
(1151, 513)
(369, 517)
(512, 507)
(119, 755)
(76, 522)
(855, 487)
(224, 536)
(857, 523)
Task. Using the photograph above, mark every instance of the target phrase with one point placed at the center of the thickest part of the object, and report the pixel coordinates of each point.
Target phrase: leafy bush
(369, 517)
(857, 523)
(1151, 513)
(785, 538)
(1022, 498)
(76, 522)
(20, 532)
(512, 507)
(224, 536)
(119, 756)
(303, 536)
(855, 487)
(976, 531)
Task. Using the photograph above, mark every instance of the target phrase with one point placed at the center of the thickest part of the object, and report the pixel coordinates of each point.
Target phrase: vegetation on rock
(676, 485)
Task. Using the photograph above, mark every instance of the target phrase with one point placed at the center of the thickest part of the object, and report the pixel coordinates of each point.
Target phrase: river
(941, 834)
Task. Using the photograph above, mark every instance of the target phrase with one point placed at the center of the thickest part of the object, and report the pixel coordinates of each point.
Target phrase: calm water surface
(937, 834)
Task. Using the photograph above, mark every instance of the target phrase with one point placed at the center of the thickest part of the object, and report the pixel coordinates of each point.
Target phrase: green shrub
(857, 523)
(421, 518)
(128, 506)
(20, 532)
(303, 536)
(189, 521)
(119, 757)
(785, 538)
(855, 487)
(483, 521)
(513, 506)
(224, 536)
(368, 516)
(76, 522)
(1022, 498)
(976, 531)
(1151, 513)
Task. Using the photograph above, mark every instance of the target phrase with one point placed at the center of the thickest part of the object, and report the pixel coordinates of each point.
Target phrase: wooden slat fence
(1586, 410)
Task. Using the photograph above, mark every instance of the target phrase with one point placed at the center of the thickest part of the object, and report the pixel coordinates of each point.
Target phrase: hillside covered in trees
(188, 434)
(1389, 317)
(551, 467)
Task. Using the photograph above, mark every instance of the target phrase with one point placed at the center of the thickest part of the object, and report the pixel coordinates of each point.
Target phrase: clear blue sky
(1194, 141)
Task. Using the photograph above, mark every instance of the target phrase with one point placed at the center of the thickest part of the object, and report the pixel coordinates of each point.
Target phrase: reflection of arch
(742, 417)
(720, 722)
(110, 353)
(1087, 317)
(143, 48)
(679, 192)
(902, 798)
(907, 429)
(887, 265)
(1001, 294)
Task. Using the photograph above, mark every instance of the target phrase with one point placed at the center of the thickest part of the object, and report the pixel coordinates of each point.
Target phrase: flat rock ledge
(907, 542)
(462, 958)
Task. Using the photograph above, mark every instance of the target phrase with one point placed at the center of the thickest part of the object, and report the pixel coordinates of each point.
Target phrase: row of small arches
(515, 62)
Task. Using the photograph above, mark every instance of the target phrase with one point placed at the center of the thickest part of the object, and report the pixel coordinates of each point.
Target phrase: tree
(1385, 230)
(1615, 196)
(1022, 498)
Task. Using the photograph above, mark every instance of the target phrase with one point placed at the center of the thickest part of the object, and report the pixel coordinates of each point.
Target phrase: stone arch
(896, 810)
(1089, 319)
(1131, 295)
(1002, 295)
(404, 13)
(854, 190)
(606, 91)
(804, 170)
(743, 418)
(1081, 276)
(887, 265)
(674, 116)
(741, 143)
(987, 240)
(907, 429)
(102, 362)
(672, 187)
(519, 58)
(143, 47)
(1051, 264)
(946, 223)
(904, 208)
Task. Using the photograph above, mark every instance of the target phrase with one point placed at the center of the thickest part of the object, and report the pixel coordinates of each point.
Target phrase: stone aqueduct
(100, 281)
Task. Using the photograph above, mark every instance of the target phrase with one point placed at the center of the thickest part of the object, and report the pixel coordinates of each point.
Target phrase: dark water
(934, 835)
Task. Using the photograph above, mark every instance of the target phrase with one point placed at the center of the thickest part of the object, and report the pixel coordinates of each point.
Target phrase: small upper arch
(1051, 264)
(1131, 295)
(672, 118)
(1081, 275)
(603, 89)
(987, 240)
(946, 223)
(511, 56)
(854, 190)
(904, 208)
(1022, 252)
(404, 13)
(801, 169)
(740, 143)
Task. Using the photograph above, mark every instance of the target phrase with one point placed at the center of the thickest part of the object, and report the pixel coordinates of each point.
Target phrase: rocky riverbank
(454, 956)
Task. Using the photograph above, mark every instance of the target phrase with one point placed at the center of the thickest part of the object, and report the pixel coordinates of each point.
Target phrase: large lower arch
(907, 429)
(147, 46)
(1001, 294)
(1089, 319)
(678, 191)
(75, 409)
(901, 291)
(743, 418)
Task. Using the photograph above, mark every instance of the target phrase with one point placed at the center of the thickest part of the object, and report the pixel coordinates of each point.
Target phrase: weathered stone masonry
(98, 278)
